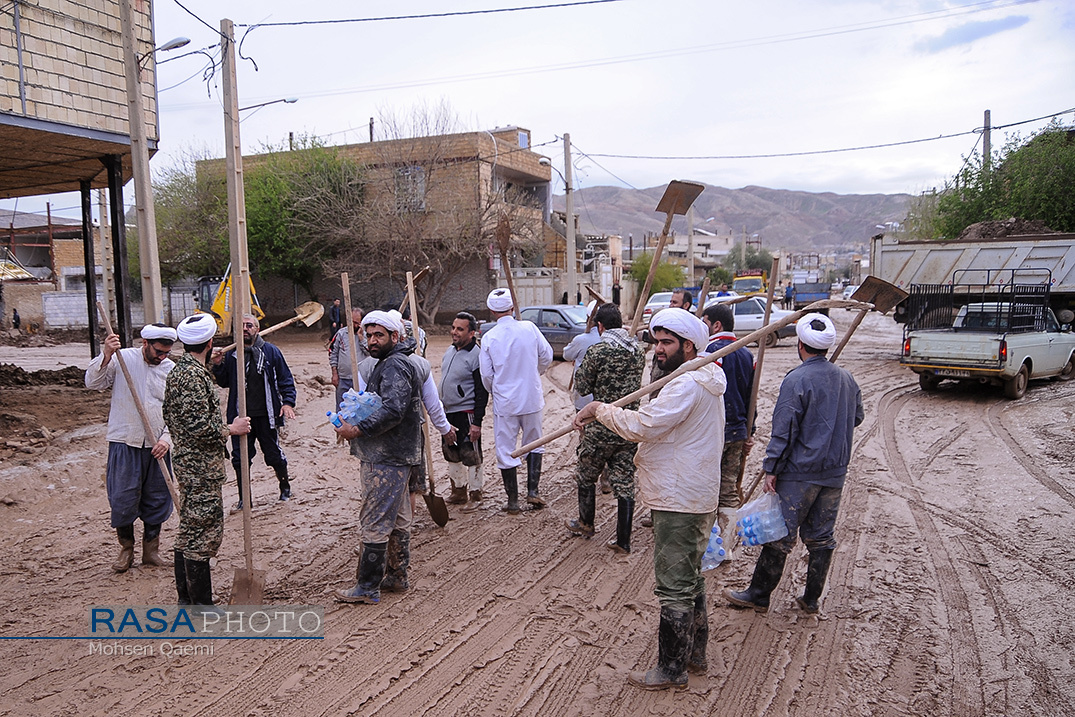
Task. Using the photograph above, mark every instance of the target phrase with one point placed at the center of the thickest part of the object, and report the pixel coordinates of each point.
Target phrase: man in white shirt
(135, 485)
(513, 356)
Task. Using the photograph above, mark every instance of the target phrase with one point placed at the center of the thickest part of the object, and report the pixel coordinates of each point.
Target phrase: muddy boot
(816, 572)
(584, 525)
(370, 573)
(397, 559)
(458, 496)
(182, 593)
(200, 586)
(697, 663)
(151, 538)
(475, 502)
(285, 483)
(673, 646)
(511, 487)
(126, 549)
(625, 509)
(646, 520)
(766, 576)
(533, 475)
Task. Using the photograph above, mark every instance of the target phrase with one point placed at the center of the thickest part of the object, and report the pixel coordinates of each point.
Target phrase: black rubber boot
(625, 510)
(151, 538)
(766, 577)
(697, 663)
(282, 479)
(584, 525)
(182, 593)
(673, 646)
(511, 487)
(126, 549)
(200, 585)
(397, 558)
(370, 573)
(816, 572)
(533, 476)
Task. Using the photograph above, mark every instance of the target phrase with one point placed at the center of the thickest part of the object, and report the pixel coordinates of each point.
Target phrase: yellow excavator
(213, 296)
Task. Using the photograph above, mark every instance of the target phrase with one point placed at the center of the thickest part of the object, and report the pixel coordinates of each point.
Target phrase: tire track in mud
(966, 695)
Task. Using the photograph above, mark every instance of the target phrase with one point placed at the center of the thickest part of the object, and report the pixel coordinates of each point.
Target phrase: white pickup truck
(998, 343)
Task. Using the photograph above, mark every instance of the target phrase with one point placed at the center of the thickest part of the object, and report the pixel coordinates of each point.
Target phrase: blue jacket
(813, 424)
(279, 385)
(739, 369)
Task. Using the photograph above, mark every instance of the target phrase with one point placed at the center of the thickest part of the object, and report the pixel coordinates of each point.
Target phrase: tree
(1028, 179)
(668, 276)
(760, 259)
(719, 275)
(192, 220)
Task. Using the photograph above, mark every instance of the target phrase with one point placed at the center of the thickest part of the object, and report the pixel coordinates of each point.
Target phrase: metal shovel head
(248, 587)
(310, 312)
(437, 509)
(883, 295)
(679, 196)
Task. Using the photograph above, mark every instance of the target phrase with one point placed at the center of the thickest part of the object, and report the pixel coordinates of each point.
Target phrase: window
(410, 189)
(530, 315)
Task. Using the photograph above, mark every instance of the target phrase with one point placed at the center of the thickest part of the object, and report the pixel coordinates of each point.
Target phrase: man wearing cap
(680, 436)
(389, 445)
(738, 368)
(806, 462)
(513, 356)
(465, 399)
(135, 485)
(192, 412)
(270, 400)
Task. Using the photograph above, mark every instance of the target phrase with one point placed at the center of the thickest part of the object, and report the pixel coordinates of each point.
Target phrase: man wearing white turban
(135, 485)
(513, 356)
(806, 462)
(681, 437)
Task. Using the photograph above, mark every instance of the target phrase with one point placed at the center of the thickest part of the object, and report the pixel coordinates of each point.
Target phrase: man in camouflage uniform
(611, 369)
(199, 436)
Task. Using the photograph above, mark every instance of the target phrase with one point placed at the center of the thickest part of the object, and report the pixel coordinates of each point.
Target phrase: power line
(425, 15)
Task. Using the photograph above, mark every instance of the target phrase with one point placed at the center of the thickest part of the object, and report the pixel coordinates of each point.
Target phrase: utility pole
(987, 144)
(106, 256)
(569, 250)
(690, 246)
(149, 262)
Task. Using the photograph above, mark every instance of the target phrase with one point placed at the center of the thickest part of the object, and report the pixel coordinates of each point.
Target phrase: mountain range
(783, 219)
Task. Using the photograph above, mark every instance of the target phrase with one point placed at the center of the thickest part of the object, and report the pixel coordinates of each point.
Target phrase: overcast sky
(643, 78)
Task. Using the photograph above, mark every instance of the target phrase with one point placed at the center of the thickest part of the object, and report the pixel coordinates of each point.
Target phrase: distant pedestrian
(805, 464)
(789, 296)
(16, 320)
(335, 317)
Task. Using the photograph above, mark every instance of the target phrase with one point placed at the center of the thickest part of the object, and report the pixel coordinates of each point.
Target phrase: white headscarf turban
(822, 338)
(499, 301)
(684, 324)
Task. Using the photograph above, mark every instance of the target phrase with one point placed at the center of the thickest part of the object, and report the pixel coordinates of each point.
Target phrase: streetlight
(174, 44)
(571, 249)
(288, 100)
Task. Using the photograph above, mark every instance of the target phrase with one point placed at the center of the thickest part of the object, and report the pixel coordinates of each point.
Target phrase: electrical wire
(424, 16)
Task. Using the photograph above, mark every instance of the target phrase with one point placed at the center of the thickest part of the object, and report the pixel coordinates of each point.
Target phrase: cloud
(971, 31)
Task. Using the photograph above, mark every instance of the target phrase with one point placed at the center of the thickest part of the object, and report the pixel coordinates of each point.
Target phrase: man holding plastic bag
(805, 463)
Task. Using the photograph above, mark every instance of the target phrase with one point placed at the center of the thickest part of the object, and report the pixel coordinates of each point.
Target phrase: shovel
(151, 437)
(701, 297)
(678, 198)
(503, 237)
(417, 277)
(309, 314)
(437, 509)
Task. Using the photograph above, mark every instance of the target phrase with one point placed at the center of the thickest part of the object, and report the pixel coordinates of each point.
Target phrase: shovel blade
(679, 196)
(310, 312)
(437, 509)
(883, 295)
(248, 587)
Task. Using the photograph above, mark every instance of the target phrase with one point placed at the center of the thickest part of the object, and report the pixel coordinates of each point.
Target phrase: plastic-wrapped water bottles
(358, 406)
(334, 419)
(761, 521)
(714, 552)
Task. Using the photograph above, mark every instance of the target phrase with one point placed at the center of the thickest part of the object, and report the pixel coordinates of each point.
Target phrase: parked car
(558, 323)
(750, 316)
(848, 291)
(662, 300)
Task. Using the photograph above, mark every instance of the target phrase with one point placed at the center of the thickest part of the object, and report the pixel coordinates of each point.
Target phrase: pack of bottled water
(714, 551)
(355, 407)
(761, 520)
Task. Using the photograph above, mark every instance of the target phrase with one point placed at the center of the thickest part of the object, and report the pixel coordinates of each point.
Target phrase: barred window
(410, 189)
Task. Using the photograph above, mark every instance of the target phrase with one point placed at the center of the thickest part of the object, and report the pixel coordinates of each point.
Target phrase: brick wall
(73, 63)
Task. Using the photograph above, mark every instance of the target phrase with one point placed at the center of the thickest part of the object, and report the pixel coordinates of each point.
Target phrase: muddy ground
(951, 590)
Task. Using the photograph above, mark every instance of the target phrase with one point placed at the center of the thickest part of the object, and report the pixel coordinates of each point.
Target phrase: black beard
(671, 363)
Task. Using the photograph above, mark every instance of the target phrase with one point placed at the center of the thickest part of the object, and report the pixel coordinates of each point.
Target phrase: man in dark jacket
(806, 462)
(270, 399)
(389, 445)
(738, 368)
